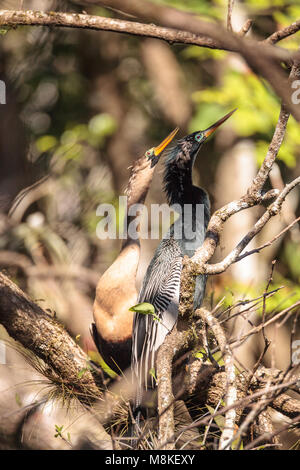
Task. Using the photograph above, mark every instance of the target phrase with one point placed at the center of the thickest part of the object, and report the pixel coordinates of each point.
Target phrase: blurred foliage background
(83, 105)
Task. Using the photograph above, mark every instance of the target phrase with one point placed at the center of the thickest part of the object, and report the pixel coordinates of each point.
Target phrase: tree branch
(229, 14)
(197, 265)
(259, 59)
(230, 383)
(284, 33)
(27, 323)
(269, 243)
(272, 211)
(173, 344)
(99, 23)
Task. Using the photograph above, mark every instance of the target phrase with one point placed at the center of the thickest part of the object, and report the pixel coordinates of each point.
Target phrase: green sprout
(145, 308)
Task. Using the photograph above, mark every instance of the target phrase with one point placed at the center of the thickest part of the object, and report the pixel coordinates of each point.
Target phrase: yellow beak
(165, 142)
(212, 128)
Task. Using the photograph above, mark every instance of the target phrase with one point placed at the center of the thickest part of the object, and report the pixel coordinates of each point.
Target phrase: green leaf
(144, 308)
(152, 373)
(58, 430)
(4, 30)
(219, 420)
(98, 359)
(101, 126)
(45, 143)
(235, 444)
(18, 399)
(82, 372)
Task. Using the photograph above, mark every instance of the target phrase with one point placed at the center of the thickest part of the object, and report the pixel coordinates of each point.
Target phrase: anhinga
(116, 290)
(161, 284)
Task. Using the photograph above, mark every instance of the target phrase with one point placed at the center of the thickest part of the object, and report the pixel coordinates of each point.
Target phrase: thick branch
(259, 60)
(98, 23)
(286, 405)
(27, 323)
(210, 390)
(172, 345)
(261, 57)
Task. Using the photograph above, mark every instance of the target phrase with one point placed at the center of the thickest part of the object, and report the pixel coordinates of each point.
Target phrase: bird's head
(178, 183)
(154, 153)
(186, 149)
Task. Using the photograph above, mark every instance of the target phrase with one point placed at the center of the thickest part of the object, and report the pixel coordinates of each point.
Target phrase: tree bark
(36, 330)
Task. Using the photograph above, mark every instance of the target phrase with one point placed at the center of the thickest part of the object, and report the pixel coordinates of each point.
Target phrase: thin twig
(229, 14)
(269, 243)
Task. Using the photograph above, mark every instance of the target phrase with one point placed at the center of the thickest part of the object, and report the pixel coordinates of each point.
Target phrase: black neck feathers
(177, 179)
(178, 183)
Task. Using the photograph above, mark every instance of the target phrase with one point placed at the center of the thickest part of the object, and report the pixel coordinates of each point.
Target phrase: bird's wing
(161, 288)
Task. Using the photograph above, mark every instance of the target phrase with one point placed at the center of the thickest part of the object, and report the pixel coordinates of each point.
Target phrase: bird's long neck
(179, 186)
(178, 183)
(136, 191)
(114, 296)
(180, 191)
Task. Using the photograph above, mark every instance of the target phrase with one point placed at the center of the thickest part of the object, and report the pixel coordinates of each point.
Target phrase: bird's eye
(198, 137)
(149, 153)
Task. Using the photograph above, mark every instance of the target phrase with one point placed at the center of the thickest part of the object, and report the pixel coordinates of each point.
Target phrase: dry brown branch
(37, 331)
(229, 14)
(172, 345)
(230, 385)
(255, 412)
(287, 406)
(13, 18)
(256, 329)
(264, 426)
(258, 60)
(284, 33)
(98, 23)
(267, 436)
(266, 399)
(259, 56)
(272, 211)
(277, 139)
(198, 263)
(270, 242)
(246, 27)
(212, 387)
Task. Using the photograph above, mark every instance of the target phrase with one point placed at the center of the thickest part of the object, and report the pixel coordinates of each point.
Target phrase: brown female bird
(116, 290)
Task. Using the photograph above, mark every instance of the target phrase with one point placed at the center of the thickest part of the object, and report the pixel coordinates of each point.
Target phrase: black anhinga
(161, 284)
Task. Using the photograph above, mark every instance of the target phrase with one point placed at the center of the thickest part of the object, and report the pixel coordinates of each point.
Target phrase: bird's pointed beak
(212, 128)
(158, 150)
